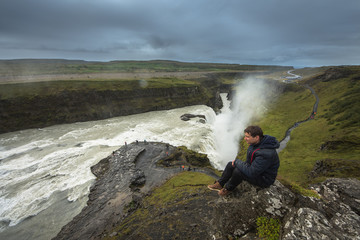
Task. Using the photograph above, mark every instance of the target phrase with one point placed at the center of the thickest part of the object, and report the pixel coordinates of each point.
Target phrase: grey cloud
(245, 32)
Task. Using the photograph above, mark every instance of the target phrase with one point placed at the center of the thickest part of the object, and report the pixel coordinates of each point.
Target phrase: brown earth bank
(76, 106)
(119, 205)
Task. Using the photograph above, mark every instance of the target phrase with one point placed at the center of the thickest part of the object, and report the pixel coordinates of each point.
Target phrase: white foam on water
(249, 103)
(5, 152)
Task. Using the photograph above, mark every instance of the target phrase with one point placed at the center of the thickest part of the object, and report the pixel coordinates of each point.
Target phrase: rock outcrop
(188, 116)
(334, 216)
(126, 167)
(131, 172)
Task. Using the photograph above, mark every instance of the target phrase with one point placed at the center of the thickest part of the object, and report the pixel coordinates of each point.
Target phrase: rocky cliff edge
(129, 175)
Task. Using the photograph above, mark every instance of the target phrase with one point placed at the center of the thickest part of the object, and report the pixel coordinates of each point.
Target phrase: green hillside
(332, 139)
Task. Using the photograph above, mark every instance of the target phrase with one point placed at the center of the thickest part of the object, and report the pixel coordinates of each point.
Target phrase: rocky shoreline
(131, 172)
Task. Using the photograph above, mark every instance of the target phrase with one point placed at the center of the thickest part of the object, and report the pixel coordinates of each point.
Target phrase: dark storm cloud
(300, 33)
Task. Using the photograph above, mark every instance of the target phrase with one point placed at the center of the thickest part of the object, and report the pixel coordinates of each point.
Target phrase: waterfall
(249, 103)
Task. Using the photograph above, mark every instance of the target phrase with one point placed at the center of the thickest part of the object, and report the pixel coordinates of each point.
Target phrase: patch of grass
(296, 188)
(184, 183)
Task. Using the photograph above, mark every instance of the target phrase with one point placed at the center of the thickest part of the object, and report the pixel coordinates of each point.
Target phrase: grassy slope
(333, 126)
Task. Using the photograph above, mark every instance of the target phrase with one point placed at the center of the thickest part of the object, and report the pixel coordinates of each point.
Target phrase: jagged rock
(112, 191)
(202, 121)
(188, 116)
(335, 216)
(236, 215)
(138, 178)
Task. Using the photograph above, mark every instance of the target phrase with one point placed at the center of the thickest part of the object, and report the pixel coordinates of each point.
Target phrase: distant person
(261, 165)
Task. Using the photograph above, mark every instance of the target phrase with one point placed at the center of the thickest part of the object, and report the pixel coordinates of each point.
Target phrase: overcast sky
(272, 32)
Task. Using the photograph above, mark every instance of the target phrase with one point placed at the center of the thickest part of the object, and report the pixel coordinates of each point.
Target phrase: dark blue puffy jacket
(262, 162)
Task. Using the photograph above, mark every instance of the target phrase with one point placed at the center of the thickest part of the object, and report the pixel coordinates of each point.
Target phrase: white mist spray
(249, 102)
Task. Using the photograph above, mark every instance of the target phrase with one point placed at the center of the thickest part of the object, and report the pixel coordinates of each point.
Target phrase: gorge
(27, 151)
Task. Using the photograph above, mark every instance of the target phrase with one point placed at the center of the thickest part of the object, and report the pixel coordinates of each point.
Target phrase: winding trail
(286, 139)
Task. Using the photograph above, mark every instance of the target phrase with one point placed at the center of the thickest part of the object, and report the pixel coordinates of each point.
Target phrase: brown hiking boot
(224, 192)
(216, 186)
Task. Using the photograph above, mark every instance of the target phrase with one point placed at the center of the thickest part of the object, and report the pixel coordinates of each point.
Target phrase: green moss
(195, 158)
(184, 183)
(268, 228)
(296, 188)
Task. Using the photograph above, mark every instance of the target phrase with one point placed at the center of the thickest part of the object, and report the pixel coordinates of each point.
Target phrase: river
(45, 173)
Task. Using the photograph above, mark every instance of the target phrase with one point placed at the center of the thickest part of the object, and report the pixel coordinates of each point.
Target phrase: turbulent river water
(45, 173)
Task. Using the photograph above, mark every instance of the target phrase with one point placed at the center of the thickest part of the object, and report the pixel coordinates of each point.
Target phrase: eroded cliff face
(77, 106)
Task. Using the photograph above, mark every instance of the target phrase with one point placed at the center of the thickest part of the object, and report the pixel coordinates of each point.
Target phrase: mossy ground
(171, 211)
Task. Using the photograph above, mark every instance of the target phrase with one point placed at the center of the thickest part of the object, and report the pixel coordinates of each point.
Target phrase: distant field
(43, 67)
(46, 77)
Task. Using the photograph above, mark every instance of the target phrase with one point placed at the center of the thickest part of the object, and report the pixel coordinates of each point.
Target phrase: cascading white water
(248, 103)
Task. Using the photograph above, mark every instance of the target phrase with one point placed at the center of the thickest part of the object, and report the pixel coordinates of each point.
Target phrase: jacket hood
(268, 142)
